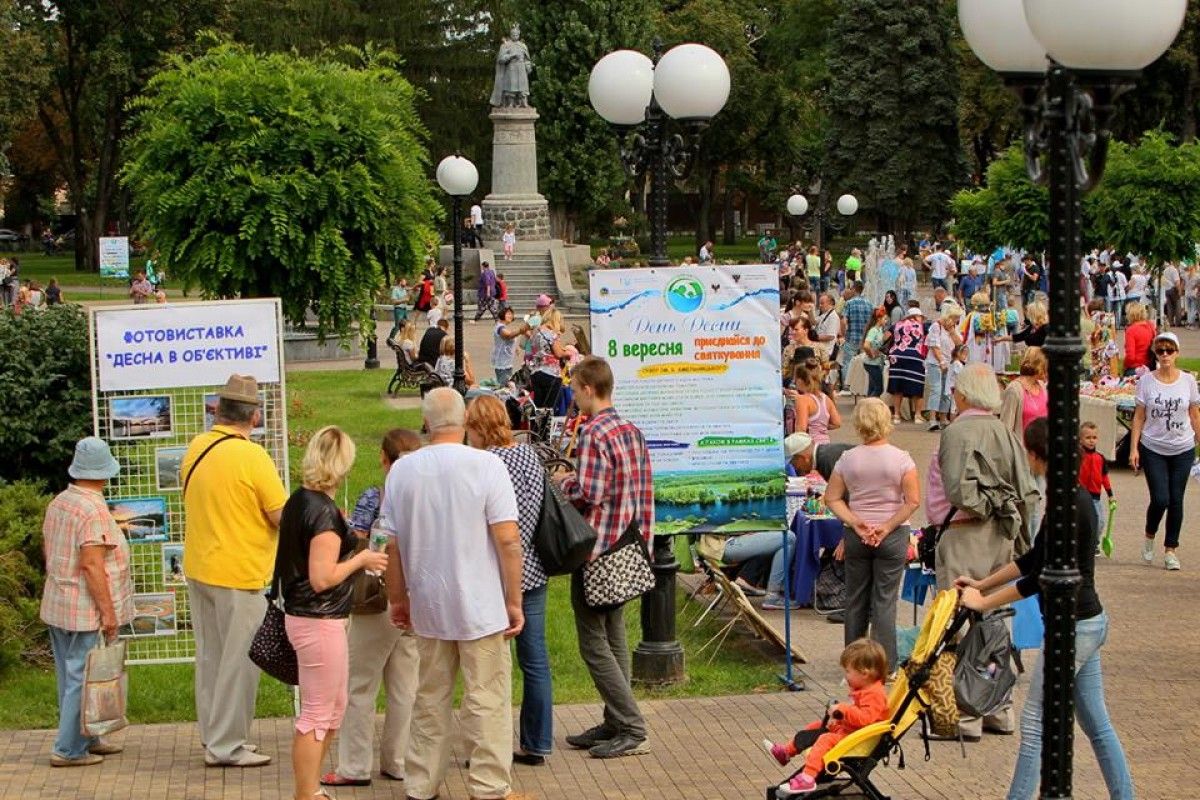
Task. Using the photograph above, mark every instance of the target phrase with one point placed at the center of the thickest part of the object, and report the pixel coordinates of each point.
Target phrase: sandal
(333, 779)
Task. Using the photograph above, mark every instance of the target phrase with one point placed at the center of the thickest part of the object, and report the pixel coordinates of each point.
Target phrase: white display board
(148, 411)
(114, 256)
(695, 354)
(186, 344)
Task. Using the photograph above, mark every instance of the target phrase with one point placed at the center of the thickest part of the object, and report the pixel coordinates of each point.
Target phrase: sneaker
(773, 602)
(843, 393)
(934, 426)
(243, 759)
(591, 737)
(798, 784)
(1148, 550)
(85, 760)
(619, 747)
(1171, 561)
(896, 420)
(103, 748)
(777, 752)
(748, 589)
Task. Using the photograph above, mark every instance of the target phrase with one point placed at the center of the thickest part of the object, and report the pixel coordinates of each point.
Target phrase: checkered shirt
(528, 478)
(75, 518)
(857, 313)
(613, 482)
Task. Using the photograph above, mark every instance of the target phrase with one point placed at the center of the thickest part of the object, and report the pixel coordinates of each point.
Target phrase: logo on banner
(685, 295)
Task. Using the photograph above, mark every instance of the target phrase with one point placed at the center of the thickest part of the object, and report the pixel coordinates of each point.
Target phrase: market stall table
(812, 535)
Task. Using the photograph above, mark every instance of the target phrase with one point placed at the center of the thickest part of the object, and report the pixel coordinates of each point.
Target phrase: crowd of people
(460, 575)
(461, 578)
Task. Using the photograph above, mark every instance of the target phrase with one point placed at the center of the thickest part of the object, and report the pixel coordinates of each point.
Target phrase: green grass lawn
(42, 268)
(354, 400)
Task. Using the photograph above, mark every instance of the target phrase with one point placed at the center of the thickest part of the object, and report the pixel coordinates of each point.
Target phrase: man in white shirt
(940, 267)
(829, 325)
(477, 223)
(454, 580)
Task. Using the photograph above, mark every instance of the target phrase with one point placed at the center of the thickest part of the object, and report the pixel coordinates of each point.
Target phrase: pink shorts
(323, 656)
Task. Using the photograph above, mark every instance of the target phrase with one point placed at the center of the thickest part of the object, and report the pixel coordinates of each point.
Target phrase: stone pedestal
(514, 199)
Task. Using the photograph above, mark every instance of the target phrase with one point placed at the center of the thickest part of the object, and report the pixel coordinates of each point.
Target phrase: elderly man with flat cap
(232, 499)
(803, 454)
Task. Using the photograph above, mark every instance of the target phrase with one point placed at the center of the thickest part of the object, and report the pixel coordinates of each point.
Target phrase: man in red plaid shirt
(613, 489)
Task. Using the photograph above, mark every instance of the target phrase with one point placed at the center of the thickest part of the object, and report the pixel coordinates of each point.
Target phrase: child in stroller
(866, 666)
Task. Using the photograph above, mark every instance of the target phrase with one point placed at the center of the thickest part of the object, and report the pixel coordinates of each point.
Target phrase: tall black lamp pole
(458, 178)
(1067, 88)
(637, 95)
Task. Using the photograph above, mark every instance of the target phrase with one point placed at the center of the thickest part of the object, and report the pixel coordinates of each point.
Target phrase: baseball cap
(1168, 337)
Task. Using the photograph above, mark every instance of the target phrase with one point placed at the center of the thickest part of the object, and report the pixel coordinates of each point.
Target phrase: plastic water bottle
(378, 542)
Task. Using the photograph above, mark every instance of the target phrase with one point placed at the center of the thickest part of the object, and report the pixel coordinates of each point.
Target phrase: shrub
(22, 507)
(46, 386)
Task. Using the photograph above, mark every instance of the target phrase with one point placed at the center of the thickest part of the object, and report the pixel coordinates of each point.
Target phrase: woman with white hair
(886, 491)
(940, 342)
(981, 489)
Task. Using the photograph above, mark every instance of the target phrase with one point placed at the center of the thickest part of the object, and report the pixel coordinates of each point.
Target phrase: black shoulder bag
(928, 541)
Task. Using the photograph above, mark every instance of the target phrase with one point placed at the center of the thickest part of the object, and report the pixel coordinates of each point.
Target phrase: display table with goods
(1109, 405)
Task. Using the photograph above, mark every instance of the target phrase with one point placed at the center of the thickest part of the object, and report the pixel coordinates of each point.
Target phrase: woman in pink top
(874, 489)
(816, 414)
(1026, 398)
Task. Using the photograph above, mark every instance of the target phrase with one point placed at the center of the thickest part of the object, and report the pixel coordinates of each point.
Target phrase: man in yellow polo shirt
(232, 498)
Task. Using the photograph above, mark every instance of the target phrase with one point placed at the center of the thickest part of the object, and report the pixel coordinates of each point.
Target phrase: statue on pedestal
(513, 66)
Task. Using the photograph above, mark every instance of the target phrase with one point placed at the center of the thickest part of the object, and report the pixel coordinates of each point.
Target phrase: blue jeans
(814, 284)
(940, 283)
(1090, 710)
(537, 698)
(70, 657)
(752, 545)
(1166, 478)
(938, 401)
(874, 379)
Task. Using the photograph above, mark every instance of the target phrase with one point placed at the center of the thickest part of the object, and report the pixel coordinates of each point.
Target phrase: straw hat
(241, 388)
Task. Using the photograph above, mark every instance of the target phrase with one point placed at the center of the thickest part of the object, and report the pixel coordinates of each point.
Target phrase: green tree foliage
(280, 175)
(1168, 91)
(1147, 203)
(1009, 210)
(46, 386)
(987, 111)
(95, 56)
(578, 168)
(22, 507)
(446, 50)
(893, 137)
(1149, 200)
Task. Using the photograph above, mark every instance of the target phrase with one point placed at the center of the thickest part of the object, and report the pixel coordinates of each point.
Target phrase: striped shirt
(76, 518)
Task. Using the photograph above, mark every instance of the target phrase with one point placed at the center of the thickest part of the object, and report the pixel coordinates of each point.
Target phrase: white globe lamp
(457, 176)
(797, 205)
(1110, 36)
(847, 205)
(620, 87)
(997, 32)
(691, 82)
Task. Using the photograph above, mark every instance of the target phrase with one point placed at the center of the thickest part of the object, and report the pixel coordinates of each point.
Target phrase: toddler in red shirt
(865, 665)
(1093, 469)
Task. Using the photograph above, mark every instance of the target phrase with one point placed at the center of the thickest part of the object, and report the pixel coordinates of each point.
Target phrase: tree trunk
(729, 231)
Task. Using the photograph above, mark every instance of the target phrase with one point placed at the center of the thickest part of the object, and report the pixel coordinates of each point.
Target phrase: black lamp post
(1067, 86)
(637, 95)
(458, 178)
(798, 206)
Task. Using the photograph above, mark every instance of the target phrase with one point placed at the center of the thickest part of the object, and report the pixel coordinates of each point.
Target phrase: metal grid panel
(149, 482)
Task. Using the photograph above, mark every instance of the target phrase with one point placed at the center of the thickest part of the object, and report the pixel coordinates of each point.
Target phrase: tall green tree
(893, 137)
(280, 175)
(1149, 200)
(446, 50)
(1009, 210)
(578, 168)
(96, 55)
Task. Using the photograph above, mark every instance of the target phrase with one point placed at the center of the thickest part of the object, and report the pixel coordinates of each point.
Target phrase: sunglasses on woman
(1165, 351)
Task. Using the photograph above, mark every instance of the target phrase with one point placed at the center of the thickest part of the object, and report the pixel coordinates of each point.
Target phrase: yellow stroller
(849, 763)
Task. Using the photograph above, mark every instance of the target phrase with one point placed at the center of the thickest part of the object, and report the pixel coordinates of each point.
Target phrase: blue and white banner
(189, 344)
(695, 353)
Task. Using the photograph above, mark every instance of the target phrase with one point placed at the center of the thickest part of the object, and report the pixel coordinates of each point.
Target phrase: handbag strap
(207, 450)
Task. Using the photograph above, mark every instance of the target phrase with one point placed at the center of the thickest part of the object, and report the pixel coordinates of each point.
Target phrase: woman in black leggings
(1163, 439)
